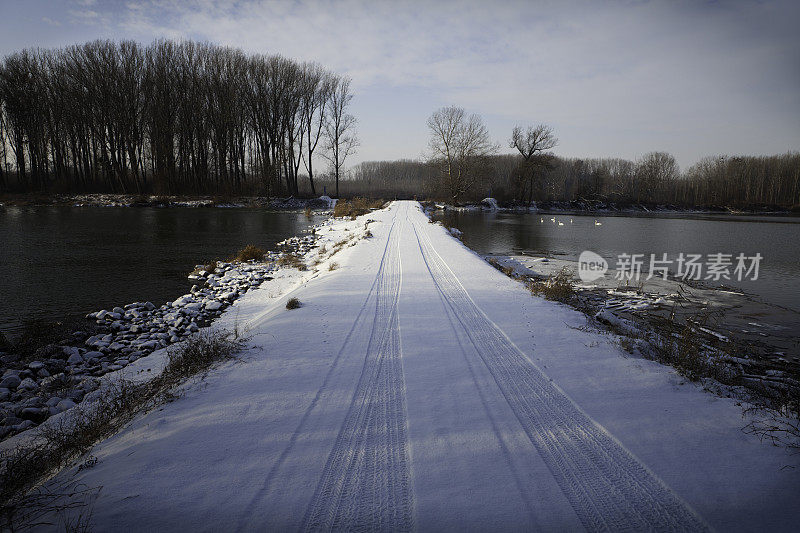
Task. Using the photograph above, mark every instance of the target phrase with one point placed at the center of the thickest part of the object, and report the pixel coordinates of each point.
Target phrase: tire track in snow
(301, 427)
(365, 484)
(607, 487)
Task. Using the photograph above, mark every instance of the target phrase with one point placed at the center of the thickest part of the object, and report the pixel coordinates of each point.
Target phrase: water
(777, 239)
(64, 262)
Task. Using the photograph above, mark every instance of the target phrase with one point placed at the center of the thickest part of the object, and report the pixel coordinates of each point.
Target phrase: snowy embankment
(418, 387)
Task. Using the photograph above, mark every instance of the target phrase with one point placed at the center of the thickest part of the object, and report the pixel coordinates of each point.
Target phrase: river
(63, 262)
(776, 238)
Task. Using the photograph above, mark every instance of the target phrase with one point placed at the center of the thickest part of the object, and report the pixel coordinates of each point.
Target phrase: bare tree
(340, 135)
(316, 92)
(459, 148)
(533, 144)
(655, 172)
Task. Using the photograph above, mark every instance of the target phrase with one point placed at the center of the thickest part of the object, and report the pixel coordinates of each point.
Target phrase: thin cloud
(616, 78)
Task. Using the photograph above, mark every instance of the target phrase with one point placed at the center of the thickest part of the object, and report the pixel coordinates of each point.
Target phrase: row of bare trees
(171, 117)
(464, 161)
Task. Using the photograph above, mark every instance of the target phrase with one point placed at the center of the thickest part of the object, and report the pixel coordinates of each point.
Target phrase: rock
(27, 384)
(33, 401)
(118, 310)
(93, 355)
(149, 306)
(63, 405)
(93, 396)
(183, 300)
(11, 381)
(10, 421)
(52, 402)
(25, 424)
(149, 345)
(43, 373)
(75, 359)
(35, 365)
(213, 305)
(116, 346)
(89, 384)
(70, 350)
(5, 394)
(36, 414)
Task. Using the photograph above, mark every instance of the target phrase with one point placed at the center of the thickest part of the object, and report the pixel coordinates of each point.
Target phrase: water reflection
(777, 239)
(67, 261)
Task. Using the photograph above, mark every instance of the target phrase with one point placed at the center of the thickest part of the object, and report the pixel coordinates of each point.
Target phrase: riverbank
(416, 386)
(751, 341)
(590, 207)
(151, 200)
(42, 381)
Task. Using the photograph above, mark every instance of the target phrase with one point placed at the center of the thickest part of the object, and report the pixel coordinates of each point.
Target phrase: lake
(777, 239)
(64, 262)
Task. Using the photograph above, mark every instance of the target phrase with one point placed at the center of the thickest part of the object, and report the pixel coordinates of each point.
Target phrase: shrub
(293, 303)
(333, 266)
(356, 207)
(557, 287)
(309, 213)
(250, 253)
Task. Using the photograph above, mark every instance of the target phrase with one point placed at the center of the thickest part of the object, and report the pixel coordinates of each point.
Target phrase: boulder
(36, 414)
(11, 381)
(65, 404)
(28, 384)
(213, 305)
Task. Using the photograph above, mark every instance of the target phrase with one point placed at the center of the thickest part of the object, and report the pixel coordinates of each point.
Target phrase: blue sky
(613, 78)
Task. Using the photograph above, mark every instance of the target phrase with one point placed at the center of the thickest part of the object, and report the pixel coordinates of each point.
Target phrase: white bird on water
(541, 220)
(596, 223)
(560, 223)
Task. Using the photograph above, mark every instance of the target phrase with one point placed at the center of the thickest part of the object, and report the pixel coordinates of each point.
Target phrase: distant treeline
(654, 179)
(171, 117)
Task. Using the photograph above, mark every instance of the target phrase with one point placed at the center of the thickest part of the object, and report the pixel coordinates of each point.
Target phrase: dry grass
(558, 287)
(250, 253)
(292, 261)
(333, 266)
(356, 207)
(56, 445)
(210, 267)
(309, 213)
(293, 303)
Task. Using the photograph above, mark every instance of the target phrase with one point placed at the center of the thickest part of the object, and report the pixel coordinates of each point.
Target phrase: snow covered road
(419, 388)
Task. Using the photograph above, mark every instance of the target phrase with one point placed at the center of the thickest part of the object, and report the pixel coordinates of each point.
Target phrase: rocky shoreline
(63, 374)
(755, 340)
